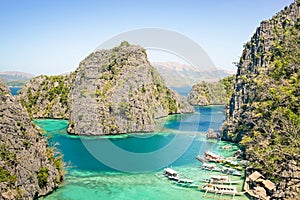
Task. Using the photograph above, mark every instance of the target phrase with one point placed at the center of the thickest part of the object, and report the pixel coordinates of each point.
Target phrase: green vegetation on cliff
(264, 111)
(112, 91)
(118, 91)
(28, 167)
(214, 93)
(46, 96)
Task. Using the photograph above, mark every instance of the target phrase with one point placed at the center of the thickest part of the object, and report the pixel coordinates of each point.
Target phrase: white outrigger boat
(171, 174)
(211, 167)
(220, 180)
(212, 157)
(174, 176)
(220, 189)
(231, 171)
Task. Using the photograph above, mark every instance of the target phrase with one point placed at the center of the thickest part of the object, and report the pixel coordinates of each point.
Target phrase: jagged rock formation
(118, 91)
(28, 168)
(215, 93)
(46, 96)
(263, 114)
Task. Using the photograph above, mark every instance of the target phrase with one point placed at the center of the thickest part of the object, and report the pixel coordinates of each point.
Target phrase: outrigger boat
(232, 164)
(171, 174)
(220, 180)
(231, 171)
(211, 157)
(174, 176)
(210, 167)
(220, 189)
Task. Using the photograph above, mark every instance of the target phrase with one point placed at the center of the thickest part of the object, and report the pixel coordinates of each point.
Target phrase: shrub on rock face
(28, 167)
(263, 113)
(43, 177)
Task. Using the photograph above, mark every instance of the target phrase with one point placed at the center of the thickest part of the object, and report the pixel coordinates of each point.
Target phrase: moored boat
(210, 167)
(174, 176)
(220, 189)
(231, 171)
(211, 157)
(220, 180)
(171, 174)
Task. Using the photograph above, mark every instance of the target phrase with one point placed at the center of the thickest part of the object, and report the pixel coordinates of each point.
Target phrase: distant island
(14, 78)
(211, 93)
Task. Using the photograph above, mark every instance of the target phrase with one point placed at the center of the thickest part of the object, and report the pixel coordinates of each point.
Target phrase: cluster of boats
(228, 166)
(217, 184)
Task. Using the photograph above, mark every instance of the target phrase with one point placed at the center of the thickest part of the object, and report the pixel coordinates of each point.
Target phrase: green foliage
(6, 155)
(270, 120)
(6, 177)
(124, 44)
(172, 105)
(43, 177)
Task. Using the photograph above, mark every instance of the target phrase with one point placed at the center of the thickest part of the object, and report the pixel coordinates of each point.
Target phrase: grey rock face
(262, 106)
(203, 94)
(118, 91)
(24, 154)
(46, 96)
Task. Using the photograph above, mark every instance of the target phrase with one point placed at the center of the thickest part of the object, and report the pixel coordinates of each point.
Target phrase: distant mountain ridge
(15, 78)
(180, 75)
(15, 75)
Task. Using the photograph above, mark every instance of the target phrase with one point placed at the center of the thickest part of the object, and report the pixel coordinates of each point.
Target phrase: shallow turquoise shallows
(179, 139)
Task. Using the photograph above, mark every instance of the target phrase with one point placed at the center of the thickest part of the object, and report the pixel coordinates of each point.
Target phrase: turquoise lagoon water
(88, 178)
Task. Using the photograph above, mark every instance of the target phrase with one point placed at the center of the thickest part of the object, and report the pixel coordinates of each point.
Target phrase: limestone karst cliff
(112, 91)
(263, 113)
(28, 168)
(118, 91)
(46, 96)
(211, 93)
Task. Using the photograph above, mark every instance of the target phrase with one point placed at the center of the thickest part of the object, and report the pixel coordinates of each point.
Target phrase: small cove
(87, 178)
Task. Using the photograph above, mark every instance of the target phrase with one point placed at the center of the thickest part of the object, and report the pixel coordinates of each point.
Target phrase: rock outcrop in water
(263, 114)
(113, 91)
(214, 93)
(118, 91)
(28, 168)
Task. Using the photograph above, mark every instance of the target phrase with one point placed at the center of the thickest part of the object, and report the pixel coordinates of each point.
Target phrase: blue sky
(53, 36)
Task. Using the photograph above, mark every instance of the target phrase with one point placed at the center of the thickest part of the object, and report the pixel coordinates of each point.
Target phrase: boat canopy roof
(212, 154)
(170, 171)
(219, 177)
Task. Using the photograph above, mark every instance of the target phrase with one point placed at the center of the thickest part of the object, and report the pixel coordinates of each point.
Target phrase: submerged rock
(28, 168)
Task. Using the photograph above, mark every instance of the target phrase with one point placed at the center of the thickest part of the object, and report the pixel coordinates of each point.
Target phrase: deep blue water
(14, 90)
